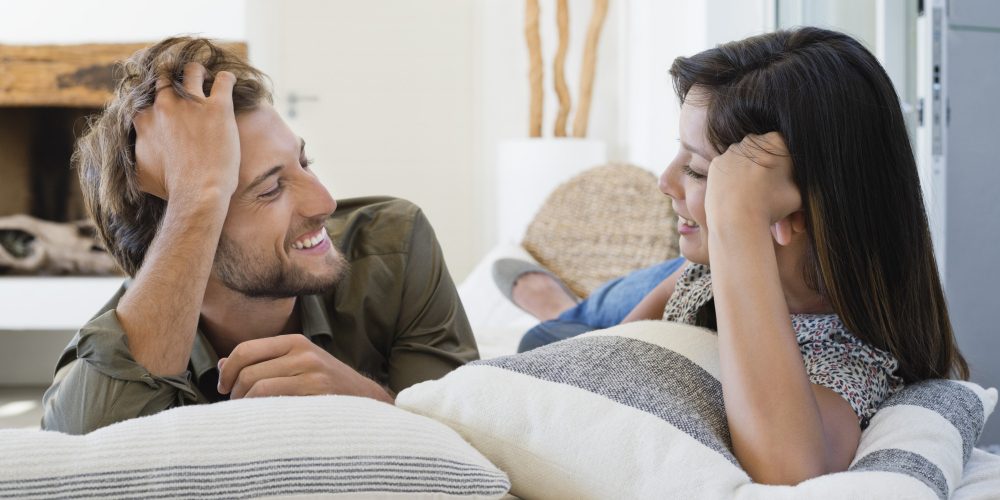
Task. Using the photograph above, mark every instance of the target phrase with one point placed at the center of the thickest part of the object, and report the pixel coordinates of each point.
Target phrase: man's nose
(318, 202)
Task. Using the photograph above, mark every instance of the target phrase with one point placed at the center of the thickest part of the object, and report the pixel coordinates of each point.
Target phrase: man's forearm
(160, 310)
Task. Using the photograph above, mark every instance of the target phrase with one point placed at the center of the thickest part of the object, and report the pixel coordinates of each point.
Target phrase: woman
(808, 250)
(796, 185)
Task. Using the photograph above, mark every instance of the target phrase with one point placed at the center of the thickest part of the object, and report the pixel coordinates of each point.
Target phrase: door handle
(294, 98)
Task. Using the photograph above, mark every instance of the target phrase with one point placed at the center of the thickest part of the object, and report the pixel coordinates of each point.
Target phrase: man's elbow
(66, 416)
(82, 400)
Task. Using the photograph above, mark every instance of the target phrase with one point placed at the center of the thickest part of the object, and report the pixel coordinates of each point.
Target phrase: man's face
(273, 242)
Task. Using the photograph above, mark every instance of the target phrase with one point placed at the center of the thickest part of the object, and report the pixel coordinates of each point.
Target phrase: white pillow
(981, 478)
(636, 411)
(496, 322)
(289, 446)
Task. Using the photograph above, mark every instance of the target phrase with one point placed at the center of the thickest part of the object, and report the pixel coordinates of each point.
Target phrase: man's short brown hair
(127, 218)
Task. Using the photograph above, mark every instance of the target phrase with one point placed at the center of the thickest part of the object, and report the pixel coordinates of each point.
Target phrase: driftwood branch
(588, 67)
(559, 68)
(533, 38)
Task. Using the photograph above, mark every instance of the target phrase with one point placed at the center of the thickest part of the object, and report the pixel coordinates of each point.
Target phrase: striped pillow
(636, 411)
(287, 447)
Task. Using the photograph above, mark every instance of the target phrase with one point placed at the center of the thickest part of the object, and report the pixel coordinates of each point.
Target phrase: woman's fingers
(786, 227)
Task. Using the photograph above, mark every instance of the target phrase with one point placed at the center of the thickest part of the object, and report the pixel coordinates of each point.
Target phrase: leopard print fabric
(834, 358)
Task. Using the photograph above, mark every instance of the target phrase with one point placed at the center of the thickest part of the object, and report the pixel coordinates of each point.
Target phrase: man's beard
(261, 277)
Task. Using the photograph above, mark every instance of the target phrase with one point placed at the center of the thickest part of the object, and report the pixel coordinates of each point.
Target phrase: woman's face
(685, 176)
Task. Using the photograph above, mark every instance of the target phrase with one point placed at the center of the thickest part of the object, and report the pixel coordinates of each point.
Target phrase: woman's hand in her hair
(189, 146)
(752, 183)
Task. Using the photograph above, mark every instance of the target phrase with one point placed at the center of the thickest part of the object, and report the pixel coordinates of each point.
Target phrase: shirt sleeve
(98, 382)
(861, 374)
(433, 335)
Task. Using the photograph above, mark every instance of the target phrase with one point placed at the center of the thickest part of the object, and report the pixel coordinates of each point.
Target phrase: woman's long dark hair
(871, 251)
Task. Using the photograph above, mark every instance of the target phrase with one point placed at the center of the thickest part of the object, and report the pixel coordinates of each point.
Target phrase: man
(204, 196)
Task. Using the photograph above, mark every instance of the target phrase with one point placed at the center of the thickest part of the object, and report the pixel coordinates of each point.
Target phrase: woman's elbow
(789, 470)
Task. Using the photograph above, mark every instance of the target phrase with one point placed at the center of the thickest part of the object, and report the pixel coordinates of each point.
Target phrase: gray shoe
(507, 271)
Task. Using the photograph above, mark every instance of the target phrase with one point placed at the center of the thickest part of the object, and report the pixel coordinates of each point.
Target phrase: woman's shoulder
(829, 329)
(822, 327)
(839, 360)
(827, 333)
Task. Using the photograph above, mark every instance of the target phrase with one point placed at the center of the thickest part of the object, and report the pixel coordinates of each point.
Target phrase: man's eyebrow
(695, 150)
(274, 170)
(263, 177)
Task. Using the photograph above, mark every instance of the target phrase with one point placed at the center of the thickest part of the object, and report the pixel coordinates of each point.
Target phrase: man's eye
(272, 192)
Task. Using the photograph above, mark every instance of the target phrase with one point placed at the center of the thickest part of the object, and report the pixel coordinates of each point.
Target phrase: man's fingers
(278, 386)
(164, 90)
(194, 79)
(140, 121)
(284, 366)
(162, 83)
(222, 88)
(252, 352)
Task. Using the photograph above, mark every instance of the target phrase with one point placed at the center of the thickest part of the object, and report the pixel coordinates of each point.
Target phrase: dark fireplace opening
(43, 222)
(47, 93)
(37, 177)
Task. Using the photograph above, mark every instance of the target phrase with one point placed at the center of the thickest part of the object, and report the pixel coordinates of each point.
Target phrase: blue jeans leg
(605, 307)
(551, 331)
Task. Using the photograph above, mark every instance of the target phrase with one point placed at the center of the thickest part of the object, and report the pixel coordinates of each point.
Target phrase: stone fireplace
(47, 92)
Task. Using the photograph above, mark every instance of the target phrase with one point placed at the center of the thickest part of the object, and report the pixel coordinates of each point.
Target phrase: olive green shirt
(394, 317)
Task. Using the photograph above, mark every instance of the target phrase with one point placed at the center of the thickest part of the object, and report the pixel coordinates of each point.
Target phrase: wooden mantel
(76, 76)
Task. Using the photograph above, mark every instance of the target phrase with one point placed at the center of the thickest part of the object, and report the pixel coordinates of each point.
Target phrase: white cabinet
(38, 316)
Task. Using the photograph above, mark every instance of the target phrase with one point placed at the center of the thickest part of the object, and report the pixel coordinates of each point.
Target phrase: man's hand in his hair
(189, 147)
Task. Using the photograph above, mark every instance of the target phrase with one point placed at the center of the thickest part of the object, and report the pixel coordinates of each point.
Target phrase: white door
(382, 92)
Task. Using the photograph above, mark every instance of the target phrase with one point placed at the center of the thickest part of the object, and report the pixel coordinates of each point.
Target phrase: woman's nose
(668, 182)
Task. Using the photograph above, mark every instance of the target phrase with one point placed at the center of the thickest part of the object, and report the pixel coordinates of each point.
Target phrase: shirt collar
(315, 324)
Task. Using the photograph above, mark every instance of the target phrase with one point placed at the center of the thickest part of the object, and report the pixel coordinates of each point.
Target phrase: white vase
(528, 170)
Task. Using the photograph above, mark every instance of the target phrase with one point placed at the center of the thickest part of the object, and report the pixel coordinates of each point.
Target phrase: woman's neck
(800, 297)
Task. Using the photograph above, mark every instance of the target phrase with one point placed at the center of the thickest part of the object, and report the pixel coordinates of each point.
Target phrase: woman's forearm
(652, 305)
(776, 424)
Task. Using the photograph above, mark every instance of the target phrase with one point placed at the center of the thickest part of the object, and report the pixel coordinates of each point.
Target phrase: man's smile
(311, 240)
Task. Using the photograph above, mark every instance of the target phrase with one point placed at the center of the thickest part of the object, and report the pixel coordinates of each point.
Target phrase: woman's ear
(798, 222)
(786, 228)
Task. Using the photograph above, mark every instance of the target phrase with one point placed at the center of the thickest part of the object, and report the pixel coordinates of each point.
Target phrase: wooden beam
(78, 76)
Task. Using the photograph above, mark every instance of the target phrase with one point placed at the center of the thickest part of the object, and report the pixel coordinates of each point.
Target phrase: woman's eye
(691, 173)
(306, 162)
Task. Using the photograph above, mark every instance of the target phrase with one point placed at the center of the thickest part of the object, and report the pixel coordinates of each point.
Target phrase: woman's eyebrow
(694, 150)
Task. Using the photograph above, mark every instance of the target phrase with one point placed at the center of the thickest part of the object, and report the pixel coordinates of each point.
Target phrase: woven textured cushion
(636, 411)
(602, 224)
(309, 447)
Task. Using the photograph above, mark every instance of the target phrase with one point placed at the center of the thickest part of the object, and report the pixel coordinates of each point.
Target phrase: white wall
(656, 33)
(502, 85)
(392, 109)
(32, 22)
